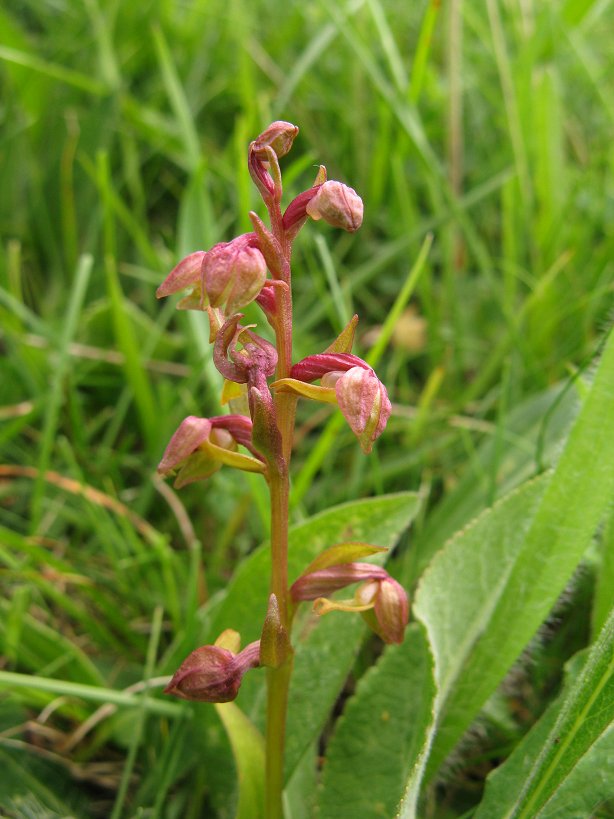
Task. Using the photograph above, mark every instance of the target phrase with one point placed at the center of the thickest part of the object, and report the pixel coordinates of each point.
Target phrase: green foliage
(563, 766)
(248, 749)
(380, 736)
(479, 136)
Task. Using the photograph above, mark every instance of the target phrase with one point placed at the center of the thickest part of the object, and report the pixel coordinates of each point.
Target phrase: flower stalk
(257, 267)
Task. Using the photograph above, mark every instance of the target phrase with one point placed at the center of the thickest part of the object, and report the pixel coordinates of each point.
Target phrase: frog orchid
(349, 382)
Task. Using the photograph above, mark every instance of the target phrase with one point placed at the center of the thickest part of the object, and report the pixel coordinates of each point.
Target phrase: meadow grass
(478, 135)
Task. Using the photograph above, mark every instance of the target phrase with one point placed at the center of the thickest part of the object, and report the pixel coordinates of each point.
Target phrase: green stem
(279, 488)
(278, 679)
(278, 682)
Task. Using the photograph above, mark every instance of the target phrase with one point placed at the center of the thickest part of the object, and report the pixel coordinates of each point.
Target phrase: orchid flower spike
(349, 382)
(200, 446)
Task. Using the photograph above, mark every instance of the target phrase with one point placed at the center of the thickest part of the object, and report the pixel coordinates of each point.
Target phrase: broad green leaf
(461, 589)
(487, 592)
(532, 436)
(248, 750)
(300, 792)
(326, 648)
(563, 767)
(381, 734)
(588, 785)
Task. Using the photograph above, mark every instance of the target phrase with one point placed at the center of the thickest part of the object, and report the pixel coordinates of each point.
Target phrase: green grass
(478, 135)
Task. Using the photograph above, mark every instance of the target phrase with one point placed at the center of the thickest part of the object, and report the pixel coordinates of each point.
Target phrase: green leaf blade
(558, 762)
(381, 734)
(248, 750)
(510, 567)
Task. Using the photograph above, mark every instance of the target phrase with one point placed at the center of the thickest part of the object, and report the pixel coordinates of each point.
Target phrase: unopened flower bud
(364, 402)
(200, 446)
(351, 383)
(279, 136)
(233, 273)
(213, 673)
(337, 204)
(381, 601)
(391, 610)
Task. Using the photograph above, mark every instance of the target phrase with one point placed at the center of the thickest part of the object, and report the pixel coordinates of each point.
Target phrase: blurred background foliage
(482, 129)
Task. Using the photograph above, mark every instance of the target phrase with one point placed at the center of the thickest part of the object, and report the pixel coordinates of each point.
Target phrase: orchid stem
(278, 679)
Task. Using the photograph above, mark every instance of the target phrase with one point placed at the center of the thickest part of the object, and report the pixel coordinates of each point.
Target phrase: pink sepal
(190, 434)
(326, 581)
(185, 274)
(315, 366)
(337, 204)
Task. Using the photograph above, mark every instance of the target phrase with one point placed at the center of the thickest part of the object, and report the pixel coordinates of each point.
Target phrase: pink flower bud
(233, 273)
(213, 673)
(361, 396)
(279, 136)
(391, 610)
(200, 446)
(364, 402)
(337, 204)
(191, 433)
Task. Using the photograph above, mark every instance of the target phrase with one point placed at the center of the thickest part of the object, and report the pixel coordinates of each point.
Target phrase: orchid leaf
(381, 734)
(563, 767)
(248, 751)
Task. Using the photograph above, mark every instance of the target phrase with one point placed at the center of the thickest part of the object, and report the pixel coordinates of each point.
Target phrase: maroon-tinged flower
(267, 300)
(200, 446)
(233, 273)
(213, 673)
(243, 356)
(349, 382)
(279, 136)
(296, 212)
(321, 582)
(337, 204)
(230, 275)
(316, 366)
(391, 610)
(381, 600)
